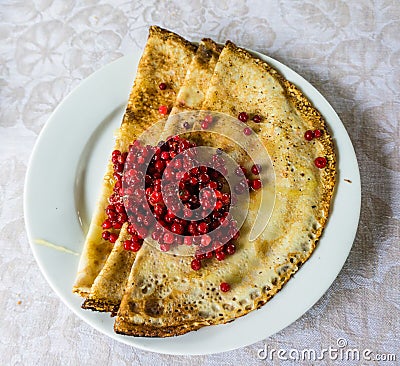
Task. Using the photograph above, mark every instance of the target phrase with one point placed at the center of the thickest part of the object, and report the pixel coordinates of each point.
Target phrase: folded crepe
(164, 296)
(108, 287)
(165, 60)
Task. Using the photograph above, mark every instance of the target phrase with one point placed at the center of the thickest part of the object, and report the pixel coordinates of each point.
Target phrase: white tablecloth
(350, 50)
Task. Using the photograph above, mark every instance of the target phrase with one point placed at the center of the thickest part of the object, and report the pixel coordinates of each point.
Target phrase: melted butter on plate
(54, 246)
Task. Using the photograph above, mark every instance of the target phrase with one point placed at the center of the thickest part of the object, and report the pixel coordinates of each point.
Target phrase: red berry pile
(147, 173)
(172, 217)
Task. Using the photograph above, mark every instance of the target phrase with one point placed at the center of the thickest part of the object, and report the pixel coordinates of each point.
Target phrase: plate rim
(285, 70)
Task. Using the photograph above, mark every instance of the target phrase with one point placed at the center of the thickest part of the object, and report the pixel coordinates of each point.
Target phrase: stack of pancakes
(157, 295)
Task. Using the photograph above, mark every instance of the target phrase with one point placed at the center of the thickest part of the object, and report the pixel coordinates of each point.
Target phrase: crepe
(165, 60)
(108, 287)
(164, 296)
(192, 93)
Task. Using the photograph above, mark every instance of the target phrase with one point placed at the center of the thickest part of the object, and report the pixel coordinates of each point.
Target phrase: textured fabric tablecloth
(349, 50)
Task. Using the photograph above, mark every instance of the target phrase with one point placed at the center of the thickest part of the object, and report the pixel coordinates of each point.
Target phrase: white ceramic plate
(64, 179)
